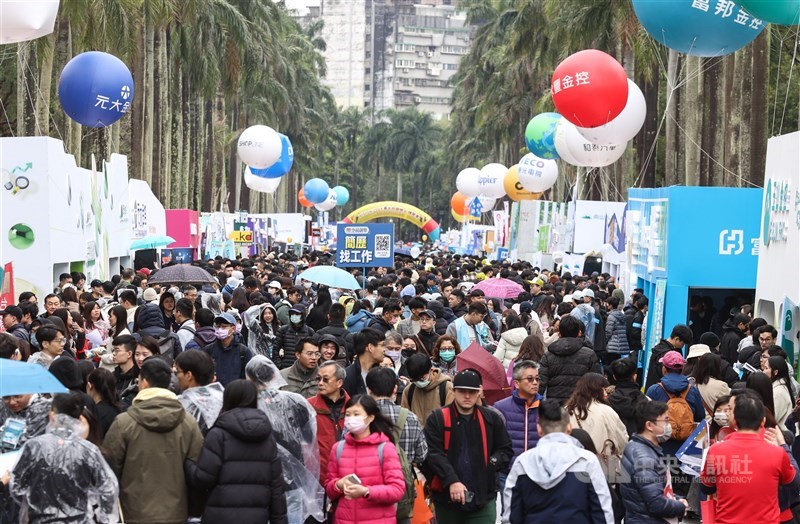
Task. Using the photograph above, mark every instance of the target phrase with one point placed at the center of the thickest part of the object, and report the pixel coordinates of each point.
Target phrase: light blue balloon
(342, 195)
(284, 163)
(698, 27)
(316, 190)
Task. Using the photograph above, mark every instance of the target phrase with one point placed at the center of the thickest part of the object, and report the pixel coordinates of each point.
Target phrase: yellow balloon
(461, 219)
(514, 188)
(424, 238)
(289, 240)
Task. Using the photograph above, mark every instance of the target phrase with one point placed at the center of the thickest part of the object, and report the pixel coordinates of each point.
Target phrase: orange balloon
(514, 188)
(301, 197)
(458, 203)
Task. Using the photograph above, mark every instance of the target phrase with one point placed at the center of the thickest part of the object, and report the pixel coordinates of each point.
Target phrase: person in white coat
(777, 369)
(514, 333)
(589, 410)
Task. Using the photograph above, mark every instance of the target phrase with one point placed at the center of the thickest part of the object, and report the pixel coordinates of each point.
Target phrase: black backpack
(170, 345)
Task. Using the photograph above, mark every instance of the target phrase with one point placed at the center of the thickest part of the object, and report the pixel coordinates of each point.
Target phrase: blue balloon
(698, 28)
(95, 89)
(316, 190)
(540, 135)
(342, 195)
(284, 163)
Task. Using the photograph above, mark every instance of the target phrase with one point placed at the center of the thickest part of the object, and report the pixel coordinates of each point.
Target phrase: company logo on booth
(731, 242)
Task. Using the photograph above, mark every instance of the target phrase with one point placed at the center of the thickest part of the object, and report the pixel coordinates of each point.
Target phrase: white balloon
(259, 146)
(257, 183)
(29, 20)
(625, 126)
(467, 182)
(487, 202)
(491, 179)
(562, 146)
(592, 155)
(537, 174)
(329, 203)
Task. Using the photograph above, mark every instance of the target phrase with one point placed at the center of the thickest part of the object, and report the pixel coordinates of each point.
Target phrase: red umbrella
(500, 288)
(495, 383)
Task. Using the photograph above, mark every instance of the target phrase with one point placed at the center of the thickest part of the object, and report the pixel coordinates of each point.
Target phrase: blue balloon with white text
(284, 163)
(95, 89)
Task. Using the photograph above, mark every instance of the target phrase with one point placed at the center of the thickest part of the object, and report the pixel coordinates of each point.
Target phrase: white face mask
(295, 319)
(307, 285)
(355, 425)
(721, 418)
(667, 433)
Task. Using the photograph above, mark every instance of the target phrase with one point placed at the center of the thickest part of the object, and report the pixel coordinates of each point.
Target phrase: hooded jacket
(385, 481)
(558, 481)
(204, 334)
(150, 321)
(521, 419)
(287, 339)
(60, 476)
(239, 464)
(508, 348)
(150, 441)
(623, 400)
(358, 321)
(563, 364)
(643, 493)
(379, 324)
(729, 342)
(654, 367)
(341, 353)
(426, 399)
(616, 336)
(676, 384)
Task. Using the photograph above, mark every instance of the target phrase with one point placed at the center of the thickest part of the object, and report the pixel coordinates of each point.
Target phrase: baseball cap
(538, 282)
(588, 293)
(467, 379)
(428, 313)
(96, 283)
(227, 318)
(673, 360)
(144, 271)
(150, 295)
(577, 295)
(275, 284)
(16, 311)
(297, 309)
(697, 350)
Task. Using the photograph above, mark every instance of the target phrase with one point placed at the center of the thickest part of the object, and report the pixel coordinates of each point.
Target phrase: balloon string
(789, 81)
(10, 128)
(777, 84)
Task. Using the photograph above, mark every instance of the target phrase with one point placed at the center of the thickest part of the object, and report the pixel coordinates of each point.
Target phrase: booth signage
(364, 245)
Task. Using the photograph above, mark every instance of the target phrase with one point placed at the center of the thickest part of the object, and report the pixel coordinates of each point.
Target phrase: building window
(366, 87)
(405, 63)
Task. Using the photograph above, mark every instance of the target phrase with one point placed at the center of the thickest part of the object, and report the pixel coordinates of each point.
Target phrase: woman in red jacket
(365, 479)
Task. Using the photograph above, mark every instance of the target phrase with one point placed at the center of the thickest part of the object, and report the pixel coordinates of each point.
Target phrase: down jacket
(239, 464)
(643, 495)
(564, 362)
(521, 419)
(286, 340)
(385, 482)
(616, 335)
(508, 347)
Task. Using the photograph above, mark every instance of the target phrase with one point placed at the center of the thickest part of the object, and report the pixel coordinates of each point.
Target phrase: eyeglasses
(316, 354)
(529, 380)
(118, 350)
(59, 341)
(325, 380)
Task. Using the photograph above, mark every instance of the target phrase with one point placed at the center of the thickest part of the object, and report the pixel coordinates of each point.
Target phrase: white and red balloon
(625, 126)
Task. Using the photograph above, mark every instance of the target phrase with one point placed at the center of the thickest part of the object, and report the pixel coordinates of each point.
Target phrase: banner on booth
(364, 245)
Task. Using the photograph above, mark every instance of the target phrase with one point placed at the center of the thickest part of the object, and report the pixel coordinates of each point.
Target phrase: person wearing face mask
(289, 335)
(427, 334)
(444, 355)
(229, 354)
(720, 426)
(645, 464)
(365, 478)
(430, 388)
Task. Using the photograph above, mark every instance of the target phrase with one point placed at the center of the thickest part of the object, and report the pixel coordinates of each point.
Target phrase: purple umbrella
(500, 288)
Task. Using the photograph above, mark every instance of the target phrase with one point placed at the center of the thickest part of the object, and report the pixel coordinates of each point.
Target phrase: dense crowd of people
(265, 397)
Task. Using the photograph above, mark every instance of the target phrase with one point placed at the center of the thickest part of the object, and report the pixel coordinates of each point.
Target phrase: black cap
(96, 283)
(15, 311)
(467, 379)
(477, 293)
(428, 313)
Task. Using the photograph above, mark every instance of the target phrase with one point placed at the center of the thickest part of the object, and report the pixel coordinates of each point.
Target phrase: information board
(365, 245)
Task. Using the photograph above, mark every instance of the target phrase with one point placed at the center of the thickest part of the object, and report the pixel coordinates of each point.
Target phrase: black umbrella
(181, 274)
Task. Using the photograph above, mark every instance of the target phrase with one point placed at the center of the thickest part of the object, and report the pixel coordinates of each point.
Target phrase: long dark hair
(512, 320)
(102, 381)
(780, 370)
(239, 300)
(318, 315)
(275, 324)
(532, 348)
(121, 314)
(87, 314)
(761, 384)
(708, 366)
(590, 388)
(381, 423)
(545, 307)
(721, 401)
(239, 394)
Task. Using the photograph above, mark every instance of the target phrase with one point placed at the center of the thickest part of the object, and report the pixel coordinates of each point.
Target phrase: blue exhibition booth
(691, 241)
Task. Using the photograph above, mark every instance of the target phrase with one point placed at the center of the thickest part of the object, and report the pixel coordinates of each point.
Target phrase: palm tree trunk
(159, 104)
(758, 119)
(26, 104)
(47, 51)
(149, 100)
(734, 118)
(692, 141)
(645, 140)
(745, 139)
(711, 122)
(670, 148)
(167, 98)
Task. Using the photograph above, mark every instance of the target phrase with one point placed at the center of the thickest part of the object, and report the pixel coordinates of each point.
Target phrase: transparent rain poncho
(212, 301)
(259, 342)
(203, 403)
(294, 425)
(60, 477)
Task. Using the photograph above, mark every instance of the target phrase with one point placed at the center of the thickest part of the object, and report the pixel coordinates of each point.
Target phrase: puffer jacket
(616, 336)
(286, 340)
(330, 426)
(675, 384)
(386, 483)
(508, 348)
(358, 321)
(729, 342)
(150, 321)
(564, 362)
(643, 494)
(623, 400)
(521, 419)
(239, 464)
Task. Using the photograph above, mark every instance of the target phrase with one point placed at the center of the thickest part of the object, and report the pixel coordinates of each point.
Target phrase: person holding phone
(365, 478)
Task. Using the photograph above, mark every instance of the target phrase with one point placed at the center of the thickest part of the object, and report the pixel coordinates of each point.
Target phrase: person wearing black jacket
(627, 393)
(370, 347)
(239, 464)
(336, 327)
(389, 315)
(733, 331)
(634, 322)
(680, 336)
(566, 360)
(465, 455)
(288, 336)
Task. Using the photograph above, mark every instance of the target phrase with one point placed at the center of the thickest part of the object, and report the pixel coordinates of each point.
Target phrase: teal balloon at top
(698, 27)
(783, 12)
(540, 135)
(342, 195)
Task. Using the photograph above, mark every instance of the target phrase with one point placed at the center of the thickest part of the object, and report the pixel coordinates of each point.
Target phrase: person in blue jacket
(558, 480)
(646, 469)
(521, 409)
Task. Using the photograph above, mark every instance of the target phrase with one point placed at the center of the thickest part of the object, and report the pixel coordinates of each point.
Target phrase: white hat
(697, 350)
(275, 284)
(588, 293)
(567, 299)
(577, 295)
(150, 295)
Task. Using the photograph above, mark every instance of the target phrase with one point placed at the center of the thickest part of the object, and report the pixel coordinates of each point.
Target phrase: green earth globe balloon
(783, 12)
(540, 135)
